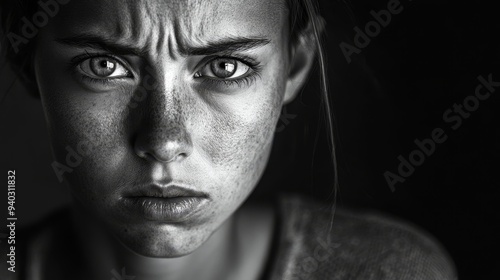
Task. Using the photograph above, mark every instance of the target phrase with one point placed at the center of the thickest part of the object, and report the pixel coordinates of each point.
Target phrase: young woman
(161, 116)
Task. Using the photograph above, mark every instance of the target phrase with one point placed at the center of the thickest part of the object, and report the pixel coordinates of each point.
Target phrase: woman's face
(151, 100)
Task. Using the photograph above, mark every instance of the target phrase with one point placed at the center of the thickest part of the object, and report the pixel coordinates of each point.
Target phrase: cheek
(86, 131)
(98, 138)
(239, 139)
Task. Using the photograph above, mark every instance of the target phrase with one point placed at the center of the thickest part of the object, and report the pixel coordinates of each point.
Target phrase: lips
(171, 203)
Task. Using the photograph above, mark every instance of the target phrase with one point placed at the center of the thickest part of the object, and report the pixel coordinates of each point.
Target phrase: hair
(302, 14)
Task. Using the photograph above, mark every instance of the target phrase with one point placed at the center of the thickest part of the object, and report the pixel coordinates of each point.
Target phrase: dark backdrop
(394, 91)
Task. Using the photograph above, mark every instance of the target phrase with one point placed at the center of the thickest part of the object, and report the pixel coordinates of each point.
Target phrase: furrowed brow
(101, 43)
(228, 45)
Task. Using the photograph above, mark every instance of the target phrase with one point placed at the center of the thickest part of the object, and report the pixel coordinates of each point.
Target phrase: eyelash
(75, 62)
(213, 82)
(246, 80)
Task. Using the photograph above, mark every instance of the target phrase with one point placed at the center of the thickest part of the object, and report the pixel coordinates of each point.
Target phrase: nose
(162, 134)
(163, 145)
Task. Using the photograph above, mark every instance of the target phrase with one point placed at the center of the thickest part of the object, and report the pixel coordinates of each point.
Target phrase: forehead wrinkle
(147, 30)
(175, 39)
(135, 23)
(190, 21)
(168, 27)
(157, 25)
(201, 18)
(126, 27)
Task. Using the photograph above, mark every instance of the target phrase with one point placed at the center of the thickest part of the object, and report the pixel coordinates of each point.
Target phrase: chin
(166, 241)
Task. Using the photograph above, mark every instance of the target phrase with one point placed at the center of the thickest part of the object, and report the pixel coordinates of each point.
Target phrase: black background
(395, 91)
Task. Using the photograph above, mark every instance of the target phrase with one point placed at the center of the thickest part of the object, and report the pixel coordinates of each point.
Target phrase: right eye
(224, 69)
(103, 68)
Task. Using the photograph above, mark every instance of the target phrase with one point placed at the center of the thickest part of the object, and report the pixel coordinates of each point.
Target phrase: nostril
(162, 151)
(156, 155)
(147, 156)
(168, 159)
(143, 153)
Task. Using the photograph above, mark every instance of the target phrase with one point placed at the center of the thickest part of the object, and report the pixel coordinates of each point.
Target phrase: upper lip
(165, 191)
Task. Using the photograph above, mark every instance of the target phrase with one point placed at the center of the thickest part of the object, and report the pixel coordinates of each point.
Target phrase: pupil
(106, 64)
(224, 68)
(102, 67)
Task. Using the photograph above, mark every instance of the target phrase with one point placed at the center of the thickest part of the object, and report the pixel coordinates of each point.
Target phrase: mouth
(169, 203)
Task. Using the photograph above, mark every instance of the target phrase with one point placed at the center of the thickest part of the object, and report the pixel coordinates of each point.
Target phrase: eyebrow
(101, 43)
(226, 45)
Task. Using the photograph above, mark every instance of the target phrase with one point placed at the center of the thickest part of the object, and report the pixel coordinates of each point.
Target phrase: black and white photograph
(249, 140)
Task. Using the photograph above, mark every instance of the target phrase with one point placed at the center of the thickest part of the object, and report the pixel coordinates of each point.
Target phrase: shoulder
(358, 245)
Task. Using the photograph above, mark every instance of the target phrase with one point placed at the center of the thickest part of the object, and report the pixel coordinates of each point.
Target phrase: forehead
(183, 21)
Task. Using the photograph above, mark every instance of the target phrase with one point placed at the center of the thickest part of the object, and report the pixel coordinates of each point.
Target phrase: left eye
(103, 67)
(224, 68)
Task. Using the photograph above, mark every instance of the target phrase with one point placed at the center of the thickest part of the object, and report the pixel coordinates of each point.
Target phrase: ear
(302, 57)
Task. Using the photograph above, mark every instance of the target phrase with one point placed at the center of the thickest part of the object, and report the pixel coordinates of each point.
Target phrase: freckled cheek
(239, 141)
(87, 136)
(75, 116)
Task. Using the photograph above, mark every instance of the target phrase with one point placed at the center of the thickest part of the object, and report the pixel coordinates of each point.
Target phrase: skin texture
(163, 123)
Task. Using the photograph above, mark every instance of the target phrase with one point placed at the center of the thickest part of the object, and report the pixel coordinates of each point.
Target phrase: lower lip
(174, 209)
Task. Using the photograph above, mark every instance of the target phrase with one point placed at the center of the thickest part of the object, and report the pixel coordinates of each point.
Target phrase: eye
(223, 68)
(103, 68)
